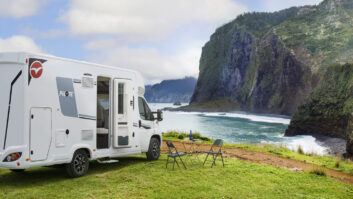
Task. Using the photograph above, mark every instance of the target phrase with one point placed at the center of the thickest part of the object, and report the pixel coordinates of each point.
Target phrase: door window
(145, 111)
(121, 98)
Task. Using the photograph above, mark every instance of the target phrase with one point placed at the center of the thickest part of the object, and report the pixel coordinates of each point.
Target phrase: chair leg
(182, 162)
(222, 159)
(176, 161)
(198, 158)
(173, 164)
(214, 160)
(205, 159)
(166, 166)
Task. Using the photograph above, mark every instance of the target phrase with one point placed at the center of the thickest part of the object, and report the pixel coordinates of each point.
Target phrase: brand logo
(66, 93)
(36, 69)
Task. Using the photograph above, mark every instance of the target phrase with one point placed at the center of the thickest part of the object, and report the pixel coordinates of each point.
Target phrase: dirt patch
(267, 159)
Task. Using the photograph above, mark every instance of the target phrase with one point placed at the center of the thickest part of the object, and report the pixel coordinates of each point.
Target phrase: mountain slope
(170, 91)
(270, 62)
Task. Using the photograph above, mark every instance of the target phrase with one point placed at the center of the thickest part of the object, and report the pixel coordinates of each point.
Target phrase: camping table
(193, 151)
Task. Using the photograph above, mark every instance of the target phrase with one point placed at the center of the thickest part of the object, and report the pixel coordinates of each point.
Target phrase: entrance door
(123, 110)
(40, 135)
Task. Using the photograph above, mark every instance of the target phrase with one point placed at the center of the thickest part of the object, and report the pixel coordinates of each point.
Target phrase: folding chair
(173, 153)
(213, 151)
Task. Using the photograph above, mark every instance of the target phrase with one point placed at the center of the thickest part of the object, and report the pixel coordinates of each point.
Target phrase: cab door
(123, 112)
(146, 122)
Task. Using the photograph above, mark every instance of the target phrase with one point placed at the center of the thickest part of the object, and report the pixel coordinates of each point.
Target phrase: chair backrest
(171, 147)
(218, 143)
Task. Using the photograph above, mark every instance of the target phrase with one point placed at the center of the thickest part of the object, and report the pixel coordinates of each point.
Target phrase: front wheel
(79, 164)
(153, 150)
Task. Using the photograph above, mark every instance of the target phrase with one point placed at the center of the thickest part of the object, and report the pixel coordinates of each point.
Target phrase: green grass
(135, 177)
(345, 166)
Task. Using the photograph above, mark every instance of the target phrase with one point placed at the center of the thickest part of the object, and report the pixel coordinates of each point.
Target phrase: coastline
(334, 145)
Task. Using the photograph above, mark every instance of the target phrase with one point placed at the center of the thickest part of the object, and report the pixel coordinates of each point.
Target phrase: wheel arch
(159, 139)
(81, 147)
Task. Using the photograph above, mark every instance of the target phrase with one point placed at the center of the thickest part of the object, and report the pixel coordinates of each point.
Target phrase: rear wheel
(153, 150)
(79, 164)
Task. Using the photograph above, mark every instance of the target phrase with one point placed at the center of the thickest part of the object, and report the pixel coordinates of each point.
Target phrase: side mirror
(159, 115)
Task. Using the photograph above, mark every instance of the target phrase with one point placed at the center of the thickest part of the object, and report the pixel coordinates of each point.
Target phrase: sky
(162, 39)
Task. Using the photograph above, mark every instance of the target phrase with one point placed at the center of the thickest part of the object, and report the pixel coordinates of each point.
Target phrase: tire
(17, 170)
(154, 150)
(79, 164)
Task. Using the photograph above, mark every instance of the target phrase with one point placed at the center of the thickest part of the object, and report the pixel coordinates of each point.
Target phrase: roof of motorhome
(63, 59)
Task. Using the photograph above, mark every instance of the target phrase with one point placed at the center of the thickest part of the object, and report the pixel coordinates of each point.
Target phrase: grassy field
(134, 177)
(332, 162)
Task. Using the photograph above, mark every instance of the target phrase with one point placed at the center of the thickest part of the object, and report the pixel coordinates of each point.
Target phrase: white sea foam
(251, 117)
(307, 143)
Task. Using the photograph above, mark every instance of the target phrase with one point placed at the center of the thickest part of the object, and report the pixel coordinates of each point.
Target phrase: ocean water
(238, 127)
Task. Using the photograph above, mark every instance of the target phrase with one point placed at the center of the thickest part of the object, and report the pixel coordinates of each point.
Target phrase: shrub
(300, 150)
(337, 163)
(181, 136)
(318, 171)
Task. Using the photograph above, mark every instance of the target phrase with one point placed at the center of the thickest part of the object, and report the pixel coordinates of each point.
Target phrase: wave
(307, 143)
(251, 117)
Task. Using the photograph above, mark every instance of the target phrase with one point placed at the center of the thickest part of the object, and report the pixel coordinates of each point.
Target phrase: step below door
(40, 134)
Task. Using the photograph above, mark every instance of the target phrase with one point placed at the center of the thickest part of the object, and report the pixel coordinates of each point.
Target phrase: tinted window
(145, 111)
(120, 98)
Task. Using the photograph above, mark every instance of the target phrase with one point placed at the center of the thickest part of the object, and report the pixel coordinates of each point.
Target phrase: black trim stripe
(9, 108)
(88, 117)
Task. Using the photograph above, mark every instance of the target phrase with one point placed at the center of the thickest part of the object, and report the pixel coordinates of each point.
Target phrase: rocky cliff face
(329, 109)
(170, 91)
(270, 62)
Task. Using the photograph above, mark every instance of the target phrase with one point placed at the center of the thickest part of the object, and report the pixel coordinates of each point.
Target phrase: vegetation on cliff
(329, 109)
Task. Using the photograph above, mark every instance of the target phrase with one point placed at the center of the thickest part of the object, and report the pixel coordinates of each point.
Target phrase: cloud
(20, 8)
(154, 65)
(275, 5)
(19, 43)
(150, 36)
(141, 20)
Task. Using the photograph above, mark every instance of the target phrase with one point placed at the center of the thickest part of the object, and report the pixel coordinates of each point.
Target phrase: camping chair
(213, 151)
(173, 153)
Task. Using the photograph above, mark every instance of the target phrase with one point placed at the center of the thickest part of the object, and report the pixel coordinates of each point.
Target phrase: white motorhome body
(51, 108)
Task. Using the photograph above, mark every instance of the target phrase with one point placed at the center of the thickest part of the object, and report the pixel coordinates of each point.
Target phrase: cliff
(270, 62)
(170, 91)
(329, 109)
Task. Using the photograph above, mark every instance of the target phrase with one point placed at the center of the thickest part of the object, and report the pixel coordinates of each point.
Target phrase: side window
(121, 98)
(145, 111)
(142, 109)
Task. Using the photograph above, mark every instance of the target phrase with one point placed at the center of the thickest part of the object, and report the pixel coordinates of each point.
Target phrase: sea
(238, 127)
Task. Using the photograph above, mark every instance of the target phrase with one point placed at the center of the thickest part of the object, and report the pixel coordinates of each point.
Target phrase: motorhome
(56, 111)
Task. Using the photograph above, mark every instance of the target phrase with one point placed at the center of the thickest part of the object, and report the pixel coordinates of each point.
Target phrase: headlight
(13, 157)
